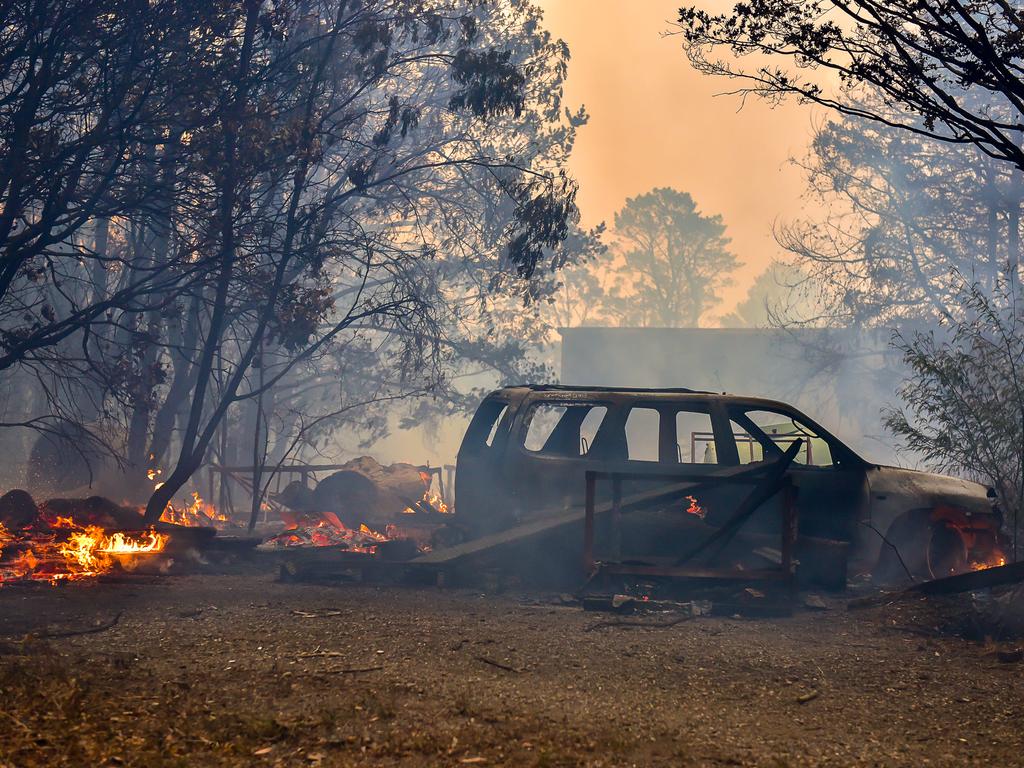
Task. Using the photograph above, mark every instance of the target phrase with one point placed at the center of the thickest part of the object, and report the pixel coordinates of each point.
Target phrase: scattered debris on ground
(242, 670)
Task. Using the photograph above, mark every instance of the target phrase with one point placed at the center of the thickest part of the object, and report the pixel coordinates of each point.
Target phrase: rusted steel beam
(559, 518)
(516, 534)
(790, 530)
(617, 516)
(588, 523)
(694, 572)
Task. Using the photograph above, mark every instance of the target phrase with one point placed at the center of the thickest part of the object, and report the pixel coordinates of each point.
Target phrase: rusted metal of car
(527, 449)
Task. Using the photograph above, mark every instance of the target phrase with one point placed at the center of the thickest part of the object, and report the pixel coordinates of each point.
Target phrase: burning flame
(197, 514)
(428, 502)
(121, 544)
(997, 560)
(330, 532)
(695, 508)
(325, 529)
(67, 551)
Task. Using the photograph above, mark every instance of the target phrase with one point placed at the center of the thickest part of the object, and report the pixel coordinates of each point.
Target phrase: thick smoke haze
(657, 122)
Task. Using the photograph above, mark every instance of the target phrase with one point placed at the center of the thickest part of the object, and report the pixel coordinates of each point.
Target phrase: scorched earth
(242, 670)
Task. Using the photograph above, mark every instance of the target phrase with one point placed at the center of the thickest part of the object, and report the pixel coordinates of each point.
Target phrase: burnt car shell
(527, 448)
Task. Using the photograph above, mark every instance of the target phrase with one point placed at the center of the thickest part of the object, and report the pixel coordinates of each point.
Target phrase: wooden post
(449, 481)
(790, 523)
(588, 524)
(616, 542)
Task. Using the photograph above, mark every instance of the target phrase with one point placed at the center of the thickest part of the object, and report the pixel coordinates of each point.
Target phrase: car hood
(928, 488)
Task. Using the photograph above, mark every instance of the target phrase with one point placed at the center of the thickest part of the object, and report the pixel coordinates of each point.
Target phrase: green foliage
(964, 399)
(900, 213)
(491, 83)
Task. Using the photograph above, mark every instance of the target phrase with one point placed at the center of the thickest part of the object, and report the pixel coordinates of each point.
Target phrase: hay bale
(17, 510)
(362, 491)
(96, 510)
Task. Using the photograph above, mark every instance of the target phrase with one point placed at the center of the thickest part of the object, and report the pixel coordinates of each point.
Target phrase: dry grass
(218, 671)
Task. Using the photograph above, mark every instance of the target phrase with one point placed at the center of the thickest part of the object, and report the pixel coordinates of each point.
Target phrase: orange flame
(431, 501)
(67, 551)
(197, 514)
(997, 560)
(331, 533)
(695, 508)
(121, 544)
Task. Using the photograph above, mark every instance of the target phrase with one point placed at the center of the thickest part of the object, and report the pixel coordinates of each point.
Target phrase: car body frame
(528, 447)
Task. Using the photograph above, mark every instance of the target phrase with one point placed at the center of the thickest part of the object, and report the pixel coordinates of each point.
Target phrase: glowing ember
(325, 529)
(330, 533)
(5, 538)
(197, 514)
(428, 502)
(695, 508)
(997, 560)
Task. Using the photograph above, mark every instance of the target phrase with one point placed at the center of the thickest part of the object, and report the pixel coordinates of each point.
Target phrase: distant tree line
(665, 267)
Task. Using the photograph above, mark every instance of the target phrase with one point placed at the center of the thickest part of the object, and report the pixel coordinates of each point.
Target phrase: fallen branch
(627, 623)
(353, 670)
(318, 652)
(498, 664)
(87, 631)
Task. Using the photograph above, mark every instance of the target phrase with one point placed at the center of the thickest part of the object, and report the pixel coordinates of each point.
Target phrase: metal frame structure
(768, 480)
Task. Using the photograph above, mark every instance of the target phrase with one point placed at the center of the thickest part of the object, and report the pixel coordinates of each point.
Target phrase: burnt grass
(242, 670)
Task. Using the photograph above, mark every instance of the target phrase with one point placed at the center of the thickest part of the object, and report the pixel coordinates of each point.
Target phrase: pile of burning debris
(71, 539)
(361, 507)
(364, 509)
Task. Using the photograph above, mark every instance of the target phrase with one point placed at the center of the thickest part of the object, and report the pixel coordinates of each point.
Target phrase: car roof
(624, 390)
(518, 392)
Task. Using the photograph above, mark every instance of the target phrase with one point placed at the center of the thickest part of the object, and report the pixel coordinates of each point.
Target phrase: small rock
(815, 603)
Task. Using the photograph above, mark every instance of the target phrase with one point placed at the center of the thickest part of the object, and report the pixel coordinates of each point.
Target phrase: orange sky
(654, 121)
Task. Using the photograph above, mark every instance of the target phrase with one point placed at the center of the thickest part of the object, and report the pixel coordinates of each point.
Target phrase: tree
(903, 214)
(335, 207)
(85, 89)
(399, 184)
(781, 295)
(674, 261)
(964, 404)
(948, 71)
(94, 95)
(923, 230)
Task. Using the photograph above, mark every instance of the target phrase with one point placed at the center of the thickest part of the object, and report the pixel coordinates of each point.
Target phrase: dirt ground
(242, 670)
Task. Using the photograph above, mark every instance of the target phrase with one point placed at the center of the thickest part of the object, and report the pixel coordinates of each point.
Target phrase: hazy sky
(654, 121)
